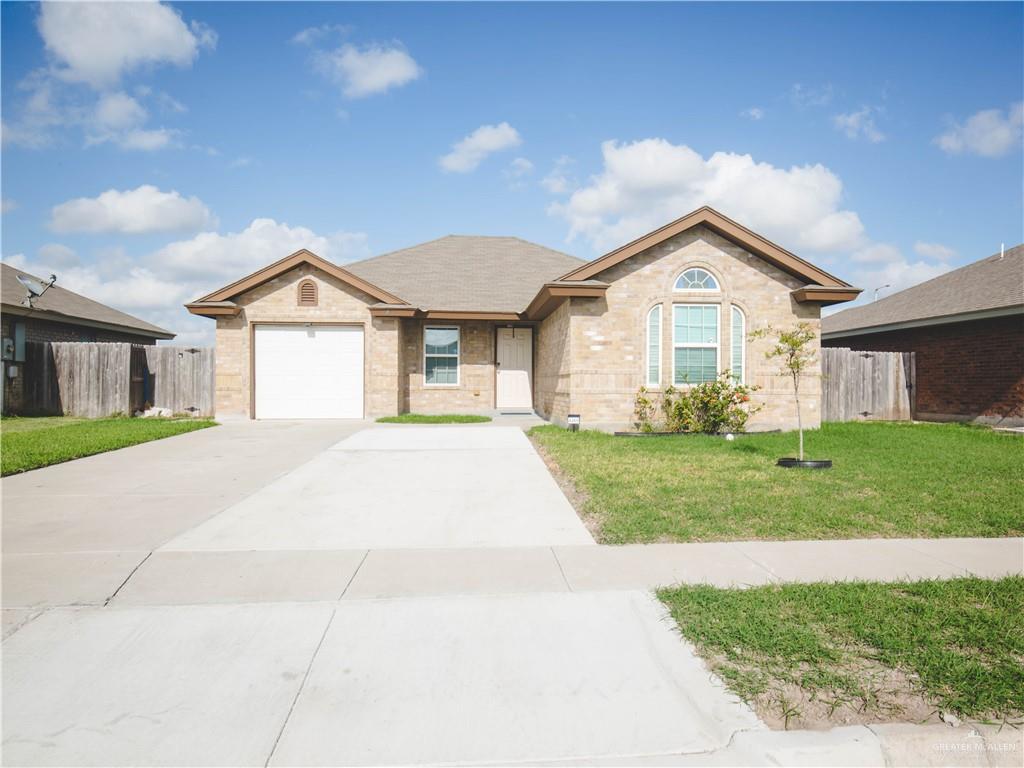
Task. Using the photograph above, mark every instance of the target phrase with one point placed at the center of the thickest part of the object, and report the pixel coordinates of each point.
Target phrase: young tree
(796, 351)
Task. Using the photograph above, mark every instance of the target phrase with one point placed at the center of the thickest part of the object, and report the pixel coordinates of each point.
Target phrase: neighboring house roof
(990, 287)
(467, 273)
(63, 306)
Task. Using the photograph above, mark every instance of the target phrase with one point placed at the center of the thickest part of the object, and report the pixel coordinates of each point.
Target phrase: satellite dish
(35, 288)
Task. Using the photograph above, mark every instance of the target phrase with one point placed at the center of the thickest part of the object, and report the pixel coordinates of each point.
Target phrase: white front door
(515, 369)
(309, 372)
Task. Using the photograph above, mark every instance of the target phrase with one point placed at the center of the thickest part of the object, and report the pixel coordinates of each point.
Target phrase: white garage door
(309, 372)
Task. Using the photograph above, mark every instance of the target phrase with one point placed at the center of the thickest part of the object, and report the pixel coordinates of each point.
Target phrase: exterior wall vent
(307, 294)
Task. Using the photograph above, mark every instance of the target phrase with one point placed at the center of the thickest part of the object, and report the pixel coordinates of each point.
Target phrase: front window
(654, 347)
(441, 356)
(739, 355)
(696, 279)
(695, 343)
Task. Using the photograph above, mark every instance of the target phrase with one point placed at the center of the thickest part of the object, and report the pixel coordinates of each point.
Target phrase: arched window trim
(704, 275)
(742, 376)
(653, 367)
(300, 301)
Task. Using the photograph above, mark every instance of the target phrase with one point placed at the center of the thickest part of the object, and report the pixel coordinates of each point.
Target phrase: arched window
(307, 293)
(739, 347)
(654, 347)
(696, 279)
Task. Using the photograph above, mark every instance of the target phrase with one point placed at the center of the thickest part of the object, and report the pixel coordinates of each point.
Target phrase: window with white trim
(696, 279)
(440, 356)
(654, 347)
(694, 343)
(738, 348)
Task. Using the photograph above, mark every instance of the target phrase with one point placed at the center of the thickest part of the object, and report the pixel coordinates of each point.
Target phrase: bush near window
(712, 407)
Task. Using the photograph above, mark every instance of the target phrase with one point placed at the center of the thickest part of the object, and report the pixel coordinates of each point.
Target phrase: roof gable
(727, 228)
(301, 256)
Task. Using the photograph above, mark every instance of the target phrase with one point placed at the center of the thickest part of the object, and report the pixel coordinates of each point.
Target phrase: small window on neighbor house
(654, 347)
(696, 279)
(738, 351)
(307, 293)
(440, 356)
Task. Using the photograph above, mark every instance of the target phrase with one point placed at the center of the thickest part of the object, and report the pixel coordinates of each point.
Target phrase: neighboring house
(966, 328)
(57, 315)
(478, 324)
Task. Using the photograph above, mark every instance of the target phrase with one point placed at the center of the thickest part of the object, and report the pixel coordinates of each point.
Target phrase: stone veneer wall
(276, 301)
(608, 335)
(475, 390)
(553, 364)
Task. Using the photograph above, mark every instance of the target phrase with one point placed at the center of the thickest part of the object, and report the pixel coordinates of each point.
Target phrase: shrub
(713, 407)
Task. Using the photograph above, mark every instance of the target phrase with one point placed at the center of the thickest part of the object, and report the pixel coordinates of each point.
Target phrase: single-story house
(57, 315)
(481, 324)
(966, 328)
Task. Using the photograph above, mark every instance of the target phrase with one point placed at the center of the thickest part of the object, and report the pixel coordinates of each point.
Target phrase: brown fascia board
(728, 229)
(552, 294)
(213, 308)
(301, 256)
(455, 314)
(393, 310)
(824, 295)
(53, 316)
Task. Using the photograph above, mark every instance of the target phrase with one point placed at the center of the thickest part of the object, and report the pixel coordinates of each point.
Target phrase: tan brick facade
(276, 301)
(607, 337)
(589, 353)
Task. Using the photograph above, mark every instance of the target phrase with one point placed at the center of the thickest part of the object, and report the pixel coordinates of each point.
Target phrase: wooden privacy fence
(95, 379)
(857, 386)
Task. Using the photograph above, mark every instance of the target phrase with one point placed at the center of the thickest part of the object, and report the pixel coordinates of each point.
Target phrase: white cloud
(214, 258)
(147, 140)
(936, 251)
(7, 205)
(647, 183)
(134, 211)
(155, 287)
(989, 133)
(365, 71)
(311, 35)
(96, 43)
(877, 253)
(803, 96)
(559, 181)
(897, 275)
(519, 167)
(753, 113)
(119, 110)
(859, 124)
(118, 119)
(469, 152)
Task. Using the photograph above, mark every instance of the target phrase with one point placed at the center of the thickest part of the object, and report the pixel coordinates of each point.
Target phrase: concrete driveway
(320, 594)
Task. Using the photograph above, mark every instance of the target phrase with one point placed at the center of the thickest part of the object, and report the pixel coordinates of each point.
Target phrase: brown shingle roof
(61, 305)
(990, 284)
(467, 273)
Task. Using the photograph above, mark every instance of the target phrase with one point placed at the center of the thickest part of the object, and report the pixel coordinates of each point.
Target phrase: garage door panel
(311, 372)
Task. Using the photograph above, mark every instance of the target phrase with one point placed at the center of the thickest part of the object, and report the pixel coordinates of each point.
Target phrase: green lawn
(29, 443)
(424, 418)
(889, 480)
(826, 654)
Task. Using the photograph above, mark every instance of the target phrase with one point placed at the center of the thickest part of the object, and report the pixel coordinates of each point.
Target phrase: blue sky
(155, 152)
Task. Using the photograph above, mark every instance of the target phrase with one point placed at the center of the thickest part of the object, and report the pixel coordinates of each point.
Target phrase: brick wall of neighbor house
(552, 387)
(608, 335)
(475, 390)
(972, 370)
(276, 301)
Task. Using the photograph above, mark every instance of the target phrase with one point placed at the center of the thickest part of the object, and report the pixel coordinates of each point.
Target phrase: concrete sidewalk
(41, 580)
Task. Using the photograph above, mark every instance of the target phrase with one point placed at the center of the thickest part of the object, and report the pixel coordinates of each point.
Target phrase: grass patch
(425, 418)
(889, 480)
(30, 443)
(826, 654)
